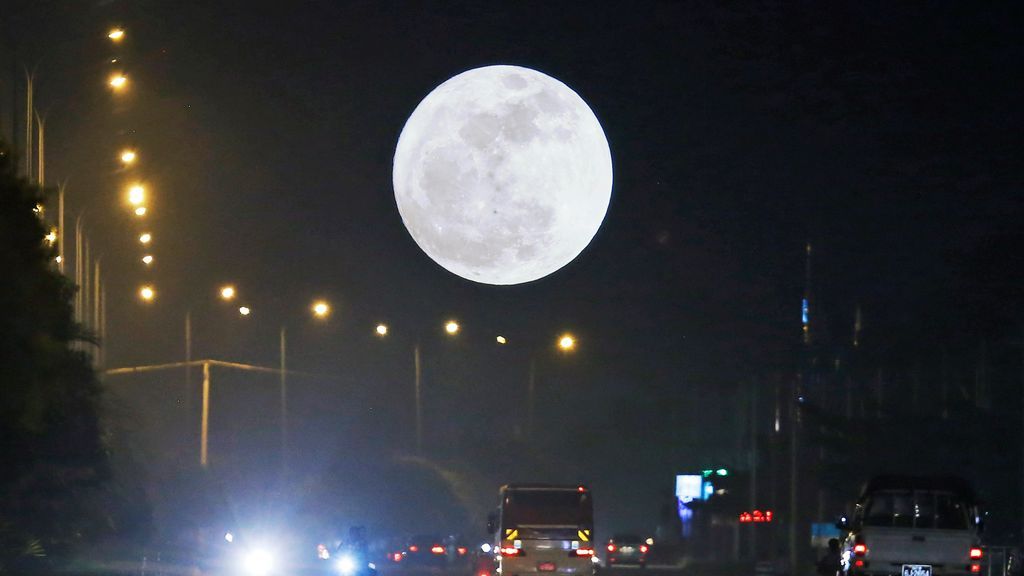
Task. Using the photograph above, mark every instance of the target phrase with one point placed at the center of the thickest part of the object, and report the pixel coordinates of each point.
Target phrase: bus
(543, 528)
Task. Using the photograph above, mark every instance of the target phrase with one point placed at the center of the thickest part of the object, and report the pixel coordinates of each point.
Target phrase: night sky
(887, 135)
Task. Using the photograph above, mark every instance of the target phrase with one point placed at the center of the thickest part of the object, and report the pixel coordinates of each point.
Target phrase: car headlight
(258, 562)
(346, 564)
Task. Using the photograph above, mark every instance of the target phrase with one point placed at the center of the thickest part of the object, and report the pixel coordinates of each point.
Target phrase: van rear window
(916, 509)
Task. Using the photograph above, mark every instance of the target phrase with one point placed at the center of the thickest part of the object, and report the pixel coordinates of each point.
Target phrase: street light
(147, 259)
(321, 309)
(501, 340)
(117, 34)
(118, 82)
(382, 330)
(452, 327)
(136, 195)
(227, 293)
(128, 156)
(140, 211)
(146, 238)
(244, 310)
(147, 293)
(567, 343)
(51, 237)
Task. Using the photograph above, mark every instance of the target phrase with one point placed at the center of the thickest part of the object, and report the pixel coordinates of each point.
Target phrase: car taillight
(462, 550)
(611, 547)
(975, 568)
(414, 548)
(510, 551)
(397, 556)
(585, 552)
(860, 549)
(643, 548)
(437, 549)
(976, 553)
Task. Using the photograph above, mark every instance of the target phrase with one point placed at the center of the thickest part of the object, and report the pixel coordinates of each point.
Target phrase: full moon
(502, 175)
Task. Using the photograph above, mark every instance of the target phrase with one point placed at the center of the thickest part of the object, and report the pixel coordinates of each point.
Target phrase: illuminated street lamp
(117, 34)
(452, 327)
(136, 195)
(147, 259)
(567, 343)
(146, 238)
(128, 157)
(321, 309)
(227, 292)
(147, 293)
(140, 211)
(382, 330)
(244, 310)
(51, 237)
(501, 340)
(118, 82)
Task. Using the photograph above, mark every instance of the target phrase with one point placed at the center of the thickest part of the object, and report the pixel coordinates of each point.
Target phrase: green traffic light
(722, 472)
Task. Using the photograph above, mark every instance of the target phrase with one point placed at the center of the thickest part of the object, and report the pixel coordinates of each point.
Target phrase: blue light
(805, 312)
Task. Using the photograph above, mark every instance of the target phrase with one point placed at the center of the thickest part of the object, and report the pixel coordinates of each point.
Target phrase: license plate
(548, 567)
(627, 549)
(917, 570)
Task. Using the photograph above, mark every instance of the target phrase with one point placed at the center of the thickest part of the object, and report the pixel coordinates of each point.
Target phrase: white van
(913, 526)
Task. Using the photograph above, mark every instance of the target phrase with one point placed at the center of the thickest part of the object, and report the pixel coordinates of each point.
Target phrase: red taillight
(611, 547)
(860, 549)
(976, 553)
(414, 548)
(510, 551)
(859, 563)
(437, 549)
(461, 550)
(975, 568)
(397, 556)
(585, 552)
(643, 548)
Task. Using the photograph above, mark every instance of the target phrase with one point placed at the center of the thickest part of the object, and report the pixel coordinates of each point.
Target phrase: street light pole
(188, 369)
(284, 403)
(60, 227)
(531, 395)
(419, 402)
(204, 431)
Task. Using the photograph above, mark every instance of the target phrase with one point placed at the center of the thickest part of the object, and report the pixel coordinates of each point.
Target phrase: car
(915, 526)
(626, 549)
(426, 550)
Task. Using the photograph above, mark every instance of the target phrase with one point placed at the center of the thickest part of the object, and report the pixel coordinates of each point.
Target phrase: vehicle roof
(566, 487)
(626, 538)
(940, 483)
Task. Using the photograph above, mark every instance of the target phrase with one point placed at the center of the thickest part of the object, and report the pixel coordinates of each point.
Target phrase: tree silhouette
(53, 463)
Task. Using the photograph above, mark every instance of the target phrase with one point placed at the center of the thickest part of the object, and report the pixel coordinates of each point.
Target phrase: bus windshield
(547, 508)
